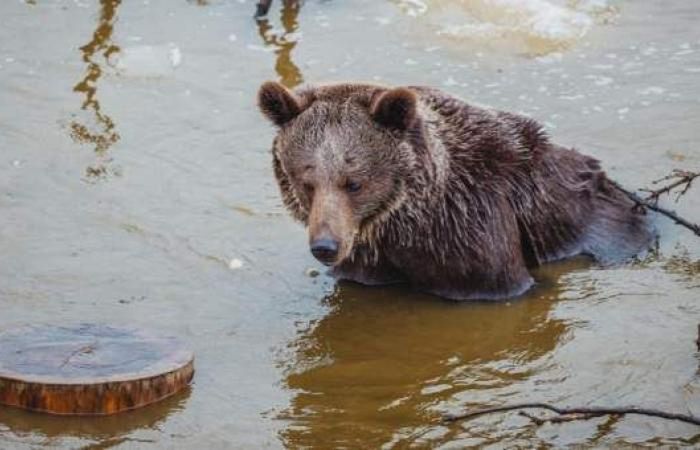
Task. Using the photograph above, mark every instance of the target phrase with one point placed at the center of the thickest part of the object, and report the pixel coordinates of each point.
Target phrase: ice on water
(543, 25)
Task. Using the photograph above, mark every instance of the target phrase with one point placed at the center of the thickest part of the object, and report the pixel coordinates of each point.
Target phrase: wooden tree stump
(89, 369)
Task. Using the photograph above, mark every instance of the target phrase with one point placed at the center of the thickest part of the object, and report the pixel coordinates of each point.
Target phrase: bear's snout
(325, 250)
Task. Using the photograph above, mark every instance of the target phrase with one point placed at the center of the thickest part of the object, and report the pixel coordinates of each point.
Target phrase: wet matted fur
(418, 186)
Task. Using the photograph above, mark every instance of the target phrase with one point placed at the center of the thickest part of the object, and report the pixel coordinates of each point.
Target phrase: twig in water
(585, 413)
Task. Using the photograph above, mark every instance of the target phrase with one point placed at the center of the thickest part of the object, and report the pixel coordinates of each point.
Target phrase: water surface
(136, 188)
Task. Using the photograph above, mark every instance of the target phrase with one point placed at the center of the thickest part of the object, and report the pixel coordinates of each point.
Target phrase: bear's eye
(353, 186)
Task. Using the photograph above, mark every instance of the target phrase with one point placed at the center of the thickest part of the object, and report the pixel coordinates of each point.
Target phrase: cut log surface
(89, 369)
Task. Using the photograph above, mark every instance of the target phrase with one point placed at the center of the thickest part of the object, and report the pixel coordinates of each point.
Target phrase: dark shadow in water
(283, 42)
(375, 364)
(106, 431)
(102, 135)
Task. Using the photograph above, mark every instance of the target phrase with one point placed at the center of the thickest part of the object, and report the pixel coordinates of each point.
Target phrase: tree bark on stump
(89, 369)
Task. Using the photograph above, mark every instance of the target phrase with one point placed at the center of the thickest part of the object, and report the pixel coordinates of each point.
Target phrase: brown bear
(410, 184)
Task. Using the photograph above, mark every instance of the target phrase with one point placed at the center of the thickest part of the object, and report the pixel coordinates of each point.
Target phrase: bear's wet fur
(411, 184)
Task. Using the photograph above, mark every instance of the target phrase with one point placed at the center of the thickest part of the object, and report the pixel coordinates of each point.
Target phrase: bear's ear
(395, 108)
(278, 103)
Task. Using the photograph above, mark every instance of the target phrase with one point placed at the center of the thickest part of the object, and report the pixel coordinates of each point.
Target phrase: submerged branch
(558, 419)
(575, 413)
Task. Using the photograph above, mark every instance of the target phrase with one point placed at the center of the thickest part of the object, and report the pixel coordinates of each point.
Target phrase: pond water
(136, 188)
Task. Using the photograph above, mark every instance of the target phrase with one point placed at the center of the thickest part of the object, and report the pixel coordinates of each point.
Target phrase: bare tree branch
(682, 178)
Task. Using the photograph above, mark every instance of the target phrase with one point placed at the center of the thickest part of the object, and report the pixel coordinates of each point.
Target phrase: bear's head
(342, 157)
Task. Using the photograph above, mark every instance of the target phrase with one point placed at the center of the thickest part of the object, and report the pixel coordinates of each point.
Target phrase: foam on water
(531, 26)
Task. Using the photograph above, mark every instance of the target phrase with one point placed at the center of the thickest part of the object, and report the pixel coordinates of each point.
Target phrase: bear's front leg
(475, 287)
(377, 273)
(464, 283)
(479, 254)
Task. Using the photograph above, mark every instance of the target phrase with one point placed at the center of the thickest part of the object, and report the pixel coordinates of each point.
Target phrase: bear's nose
(325, 250)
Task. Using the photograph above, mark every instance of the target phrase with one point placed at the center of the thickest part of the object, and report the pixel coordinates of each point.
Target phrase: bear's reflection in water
(384, 361)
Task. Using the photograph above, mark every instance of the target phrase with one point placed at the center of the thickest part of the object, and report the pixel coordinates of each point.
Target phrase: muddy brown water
(136, 188)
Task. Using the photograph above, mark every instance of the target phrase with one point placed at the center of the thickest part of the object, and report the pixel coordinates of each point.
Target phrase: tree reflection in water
(102, 134)
(283, 41)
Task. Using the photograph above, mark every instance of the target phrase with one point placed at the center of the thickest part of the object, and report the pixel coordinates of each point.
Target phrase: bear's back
(562, 200)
